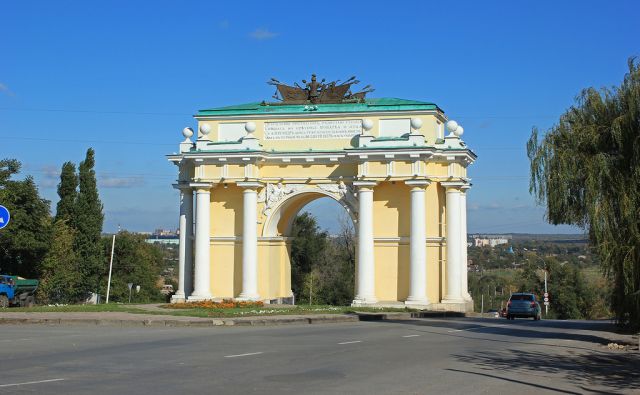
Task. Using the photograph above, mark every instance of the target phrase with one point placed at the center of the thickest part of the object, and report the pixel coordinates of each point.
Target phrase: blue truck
(17, 291)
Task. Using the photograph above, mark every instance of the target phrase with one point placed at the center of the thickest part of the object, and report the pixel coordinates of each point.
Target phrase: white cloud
(5, 89)
(261, 34)
(50, 176)
(119, 182)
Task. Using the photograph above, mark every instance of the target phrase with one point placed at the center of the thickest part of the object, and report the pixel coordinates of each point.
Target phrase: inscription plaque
(312, 130)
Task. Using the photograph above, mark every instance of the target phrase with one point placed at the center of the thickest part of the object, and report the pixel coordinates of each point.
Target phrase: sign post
(5, 216)
(130, 285)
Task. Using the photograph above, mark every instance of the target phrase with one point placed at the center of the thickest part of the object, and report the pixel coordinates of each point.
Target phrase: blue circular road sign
(4, 216)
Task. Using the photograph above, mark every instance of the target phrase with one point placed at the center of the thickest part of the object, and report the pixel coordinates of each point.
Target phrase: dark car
(523, 305)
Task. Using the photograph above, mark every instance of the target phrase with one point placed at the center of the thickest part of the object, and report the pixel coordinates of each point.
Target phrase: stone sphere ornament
(451, 126)
(459, 131)
(205, 129)
(416, 123)
(367, 124)
(250, 127)
(187, 132)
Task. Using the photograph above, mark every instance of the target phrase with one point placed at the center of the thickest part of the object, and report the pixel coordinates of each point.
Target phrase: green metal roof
(369, 105)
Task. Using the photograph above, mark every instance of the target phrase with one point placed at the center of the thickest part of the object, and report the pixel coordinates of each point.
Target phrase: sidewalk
(123, 319)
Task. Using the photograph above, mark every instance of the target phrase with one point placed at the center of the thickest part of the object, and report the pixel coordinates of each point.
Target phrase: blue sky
(125, 77)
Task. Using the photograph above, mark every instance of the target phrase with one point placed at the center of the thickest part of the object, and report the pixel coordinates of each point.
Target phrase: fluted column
(185, 255)
(202, 279)
(249, 241)
(365, 291)
(417, 238)
(463, 225)
(454, 249)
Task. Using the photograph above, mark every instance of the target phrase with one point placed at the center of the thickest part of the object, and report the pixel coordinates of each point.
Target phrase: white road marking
(30, 382)
(476, 327)
(356, 341)
(242, 355)
(411, 336)
(13, 340)
(466, 329)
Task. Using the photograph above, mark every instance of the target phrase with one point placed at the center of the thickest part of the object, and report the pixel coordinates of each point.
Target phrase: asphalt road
(426, 356)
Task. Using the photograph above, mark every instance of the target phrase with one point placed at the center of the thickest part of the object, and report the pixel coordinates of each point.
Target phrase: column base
(452, 299)
(417, 302)
(467, 297)
(178, 297)
(199, 298)
(364, 300)
(248, 297)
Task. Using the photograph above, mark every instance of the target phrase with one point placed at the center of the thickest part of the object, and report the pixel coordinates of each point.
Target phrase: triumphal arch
(398, 167)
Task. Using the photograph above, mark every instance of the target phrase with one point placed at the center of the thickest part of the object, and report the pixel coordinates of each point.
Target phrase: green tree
(307, 251)
(60, 280)
(321, 265)
(25, 241)
(586, 170)
(68, 192)
(87, 221)
(134, 261)
(337, 275)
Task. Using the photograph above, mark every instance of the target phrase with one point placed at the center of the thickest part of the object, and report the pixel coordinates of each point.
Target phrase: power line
(119, 112)
(122, 142)
(92, 111)
(84, 141)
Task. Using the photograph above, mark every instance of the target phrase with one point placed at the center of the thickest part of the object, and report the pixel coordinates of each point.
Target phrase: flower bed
(209, 304)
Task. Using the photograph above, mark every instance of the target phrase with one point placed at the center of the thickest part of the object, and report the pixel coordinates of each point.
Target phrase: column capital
(454, 185)
(365, 184)
(250, 184)
(418, 183)
(199, 186)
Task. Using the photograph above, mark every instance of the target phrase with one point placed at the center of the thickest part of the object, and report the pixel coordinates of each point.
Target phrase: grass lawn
(88, 308)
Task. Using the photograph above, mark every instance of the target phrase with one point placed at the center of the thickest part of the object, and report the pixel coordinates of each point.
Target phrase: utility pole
(113, 244)
(546, 305)
(311, 291)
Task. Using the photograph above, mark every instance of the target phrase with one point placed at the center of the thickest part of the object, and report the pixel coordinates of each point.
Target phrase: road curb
(242, 321)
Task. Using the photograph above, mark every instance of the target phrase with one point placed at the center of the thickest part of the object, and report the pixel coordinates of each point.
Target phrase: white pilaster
(454, 249)
(365, 292)
(417, 238)
(463, 225)
(249, 242)
(202, 281)
(185, 254)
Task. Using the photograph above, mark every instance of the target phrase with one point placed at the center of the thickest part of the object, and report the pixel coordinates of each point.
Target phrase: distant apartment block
(164, 236)
(490, 240)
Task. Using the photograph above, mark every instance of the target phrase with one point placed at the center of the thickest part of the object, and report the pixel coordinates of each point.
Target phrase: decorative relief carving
(343, 193)
(273, 194)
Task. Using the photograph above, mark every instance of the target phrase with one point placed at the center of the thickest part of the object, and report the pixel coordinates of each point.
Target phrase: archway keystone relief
(387, 161)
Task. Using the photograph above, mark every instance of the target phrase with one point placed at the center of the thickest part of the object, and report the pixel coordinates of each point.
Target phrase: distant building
(490, 240)
(164, 236)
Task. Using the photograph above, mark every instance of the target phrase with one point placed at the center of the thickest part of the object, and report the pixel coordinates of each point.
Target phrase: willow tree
(586, 171)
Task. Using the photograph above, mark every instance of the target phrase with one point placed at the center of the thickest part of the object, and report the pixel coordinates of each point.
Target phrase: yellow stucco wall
(392, 222)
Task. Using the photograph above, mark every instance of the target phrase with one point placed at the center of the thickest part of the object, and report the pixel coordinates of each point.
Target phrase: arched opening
(319, 234)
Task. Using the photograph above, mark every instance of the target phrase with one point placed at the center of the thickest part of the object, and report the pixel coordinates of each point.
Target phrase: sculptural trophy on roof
(315, 92)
